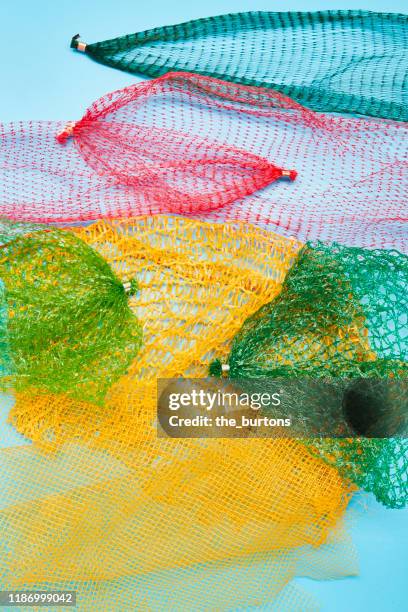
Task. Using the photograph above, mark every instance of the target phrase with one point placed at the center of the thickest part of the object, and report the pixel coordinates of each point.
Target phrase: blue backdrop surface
(43, 79)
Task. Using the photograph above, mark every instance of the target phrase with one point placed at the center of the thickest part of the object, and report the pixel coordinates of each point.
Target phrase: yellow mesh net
(198, 282)
(102, 505)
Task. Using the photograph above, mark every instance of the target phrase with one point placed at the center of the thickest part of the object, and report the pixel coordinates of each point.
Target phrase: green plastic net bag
(101, 505)
(345, 61)
(342, 312)
(10, 230)
(66, 323)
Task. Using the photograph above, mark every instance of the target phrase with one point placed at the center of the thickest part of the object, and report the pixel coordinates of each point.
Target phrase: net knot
(131, 287)
(290, 174)
(66, 132)
(77, 44)
(218, 369)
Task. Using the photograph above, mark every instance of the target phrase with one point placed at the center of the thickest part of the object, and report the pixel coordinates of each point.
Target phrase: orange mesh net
(167, 522)
(106, 507)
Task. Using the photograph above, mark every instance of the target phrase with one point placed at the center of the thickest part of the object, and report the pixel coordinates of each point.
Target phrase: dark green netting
(346, 61)
(342, 312)
(67, 326)
(5, 365)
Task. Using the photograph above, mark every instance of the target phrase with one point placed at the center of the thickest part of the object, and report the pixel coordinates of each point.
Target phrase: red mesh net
(191, 144)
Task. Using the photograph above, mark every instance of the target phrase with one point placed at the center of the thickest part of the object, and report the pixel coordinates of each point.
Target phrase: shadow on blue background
(43, 79)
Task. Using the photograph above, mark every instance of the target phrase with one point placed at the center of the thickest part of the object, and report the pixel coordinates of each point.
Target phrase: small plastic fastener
(131, 287)
(77, 44)
(290, 174)
(66, 132)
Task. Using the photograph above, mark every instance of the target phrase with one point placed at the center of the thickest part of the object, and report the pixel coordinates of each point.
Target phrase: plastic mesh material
(10, 230)
(198, 283)
(342, 312)
(68, 325)
(117, 512)
(345, 61)
(195, 145)
(170, 525)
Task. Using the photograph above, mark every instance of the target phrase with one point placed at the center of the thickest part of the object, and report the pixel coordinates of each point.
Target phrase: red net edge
(179, 82)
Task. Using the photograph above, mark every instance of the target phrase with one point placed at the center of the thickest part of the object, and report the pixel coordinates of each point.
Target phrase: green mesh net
(65, 320)
(10, 230)
(101, 505)
(346, 61)
(342, 312)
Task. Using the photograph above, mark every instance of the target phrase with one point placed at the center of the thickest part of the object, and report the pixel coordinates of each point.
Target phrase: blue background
(42, 78)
